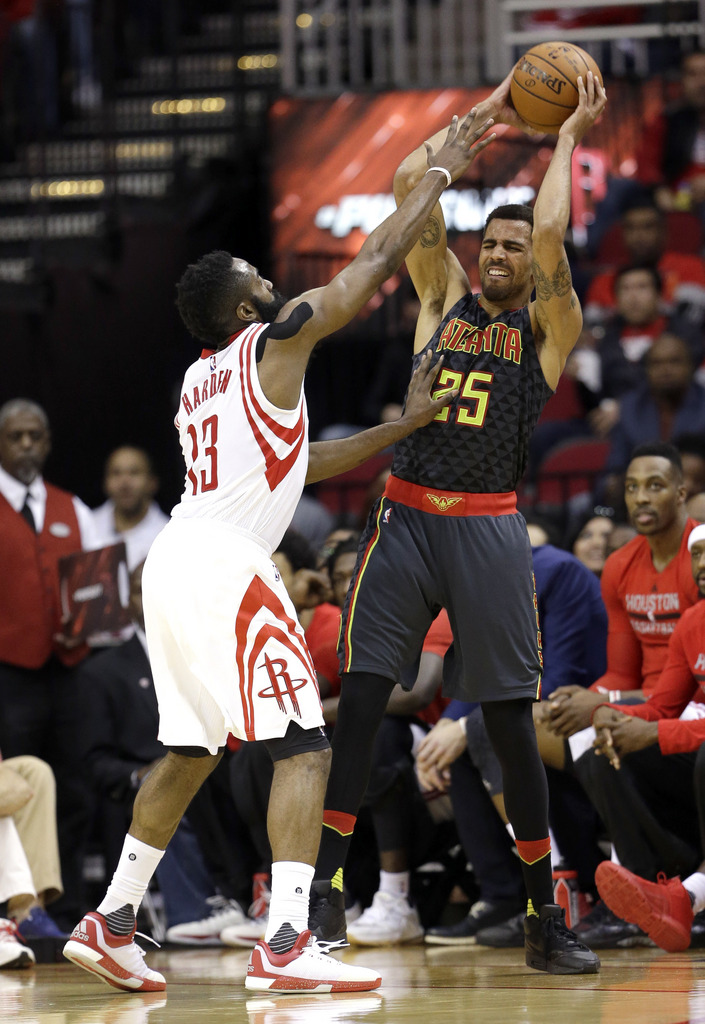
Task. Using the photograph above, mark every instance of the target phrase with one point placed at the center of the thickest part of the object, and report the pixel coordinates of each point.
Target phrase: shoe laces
(315, 949)
(479, 908)
(9, 930)
(136, 954)
(556, 927)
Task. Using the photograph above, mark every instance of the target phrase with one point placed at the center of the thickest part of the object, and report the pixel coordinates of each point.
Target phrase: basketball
(544, 87)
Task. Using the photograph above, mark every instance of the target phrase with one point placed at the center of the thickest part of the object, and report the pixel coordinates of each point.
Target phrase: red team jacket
(30, 602)
(643, 608)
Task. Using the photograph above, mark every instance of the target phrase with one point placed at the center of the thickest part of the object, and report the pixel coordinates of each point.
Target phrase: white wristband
(443, 170)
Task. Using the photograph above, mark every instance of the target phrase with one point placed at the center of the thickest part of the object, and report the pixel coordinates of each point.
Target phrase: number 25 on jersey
(468, 415)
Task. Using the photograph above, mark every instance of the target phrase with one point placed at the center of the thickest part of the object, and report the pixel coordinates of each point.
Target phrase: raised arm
(556, 315)
(436, 273)
(320, 312)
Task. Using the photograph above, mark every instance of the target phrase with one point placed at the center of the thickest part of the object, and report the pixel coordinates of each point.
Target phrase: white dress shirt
(15, 492)
(138, 539)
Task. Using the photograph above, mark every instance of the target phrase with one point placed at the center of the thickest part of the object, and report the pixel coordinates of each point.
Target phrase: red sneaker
(115, 959)
(662, 909)
(305, 968)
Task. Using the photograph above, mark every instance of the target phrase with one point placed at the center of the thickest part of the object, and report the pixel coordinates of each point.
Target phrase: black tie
(26, 513)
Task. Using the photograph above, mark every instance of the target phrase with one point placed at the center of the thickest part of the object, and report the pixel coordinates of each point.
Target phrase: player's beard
(496, 289)
(270, 309)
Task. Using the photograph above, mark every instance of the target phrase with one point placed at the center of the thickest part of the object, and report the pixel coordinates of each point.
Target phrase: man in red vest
(38, 692)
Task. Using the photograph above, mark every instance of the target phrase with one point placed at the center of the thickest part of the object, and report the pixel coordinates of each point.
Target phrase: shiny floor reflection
(420, 984)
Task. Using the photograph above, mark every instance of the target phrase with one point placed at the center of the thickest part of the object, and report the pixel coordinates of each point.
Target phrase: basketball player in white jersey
(227, 652)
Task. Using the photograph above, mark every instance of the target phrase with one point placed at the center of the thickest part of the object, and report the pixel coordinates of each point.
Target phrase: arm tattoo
(557, 285)
(431, 233)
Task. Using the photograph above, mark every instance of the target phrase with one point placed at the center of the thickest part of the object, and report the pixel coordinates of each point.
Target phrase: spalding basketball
(544, 87)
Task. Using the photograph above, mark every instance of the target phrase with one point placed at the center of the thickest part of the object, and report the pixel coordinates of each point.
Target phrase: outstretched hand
(420, 407)
(461, 144)
(591, 102)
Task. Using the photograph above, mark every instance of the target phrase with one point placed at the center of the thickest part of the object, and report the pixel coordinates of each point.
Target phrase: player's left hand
(592, 101)
(420, 407)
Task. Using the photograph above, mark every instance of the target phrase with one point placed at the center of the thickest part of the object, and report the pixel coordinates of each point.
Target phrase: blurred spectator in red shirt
(644, 233)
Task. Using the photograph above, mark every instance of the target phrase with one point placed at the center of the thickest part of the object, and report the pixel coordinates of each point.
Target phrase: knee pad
(297, 741)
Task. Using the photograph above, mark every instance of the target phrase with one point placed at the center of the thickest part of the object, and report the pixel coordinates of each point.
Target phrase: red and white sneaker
(13, 951)
(115, 959)
(662, 909)
(305, 968)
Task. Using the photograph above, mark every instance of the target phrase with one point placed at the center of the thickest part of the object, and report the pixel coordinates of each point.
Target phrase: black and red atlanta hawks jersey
(479, 443)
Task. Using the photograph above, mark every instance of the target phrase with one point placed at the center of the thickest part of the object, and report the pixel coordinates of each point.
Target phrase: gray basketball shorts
(411, 563)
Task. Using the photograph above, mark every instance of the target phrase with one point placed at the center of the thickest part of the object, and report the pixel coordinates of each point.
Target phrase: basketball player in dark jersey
(447, 534)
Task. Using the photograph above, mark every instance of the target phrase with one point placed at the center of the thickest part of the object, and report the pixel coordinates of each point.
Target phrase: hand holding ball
(544, 87)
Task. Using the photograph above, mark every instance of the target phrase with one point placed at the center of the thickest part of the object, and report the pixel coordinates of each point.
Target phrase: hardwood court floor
(421, 985)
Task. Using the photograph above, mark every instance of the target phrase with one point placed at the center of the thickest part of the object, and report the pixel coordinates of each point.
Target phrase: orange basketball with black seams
(544, 86)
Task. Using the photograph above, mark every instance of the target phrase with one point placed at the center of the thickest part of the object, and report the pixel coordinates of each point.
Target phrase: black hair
(647, 268)
(642, 198)
(297, 549)
(207, 296)
(598, 512)
(343, 547)
(662, 450)
(512, 211)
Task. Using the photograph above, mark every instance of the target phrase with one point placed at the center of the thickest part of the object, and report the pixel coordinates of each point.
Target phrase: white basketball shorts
(227, 652)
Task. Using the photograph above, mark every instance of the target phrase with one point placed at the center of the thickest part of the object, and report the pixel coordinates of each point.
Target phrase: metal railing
(506, 38)
(338, 45)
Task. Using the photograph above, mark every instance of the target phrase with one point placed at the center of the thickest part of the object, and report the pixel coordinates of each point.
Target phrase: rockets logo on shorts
(281, 684)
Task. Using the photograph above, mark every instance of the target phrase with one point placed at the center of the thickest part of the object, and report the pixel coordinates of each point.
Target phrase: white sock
(137, 864)
(695, 885)
(291, 888)
(396, 883)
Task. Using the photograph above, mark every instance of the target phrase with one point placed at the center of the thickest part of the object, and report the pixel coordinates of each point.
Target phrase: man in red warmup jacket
(646, 586)
(662, 746)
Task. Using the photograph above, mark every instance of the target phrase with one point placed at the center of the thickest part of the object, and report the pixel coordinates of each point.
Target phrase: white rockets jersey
(246, 459)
